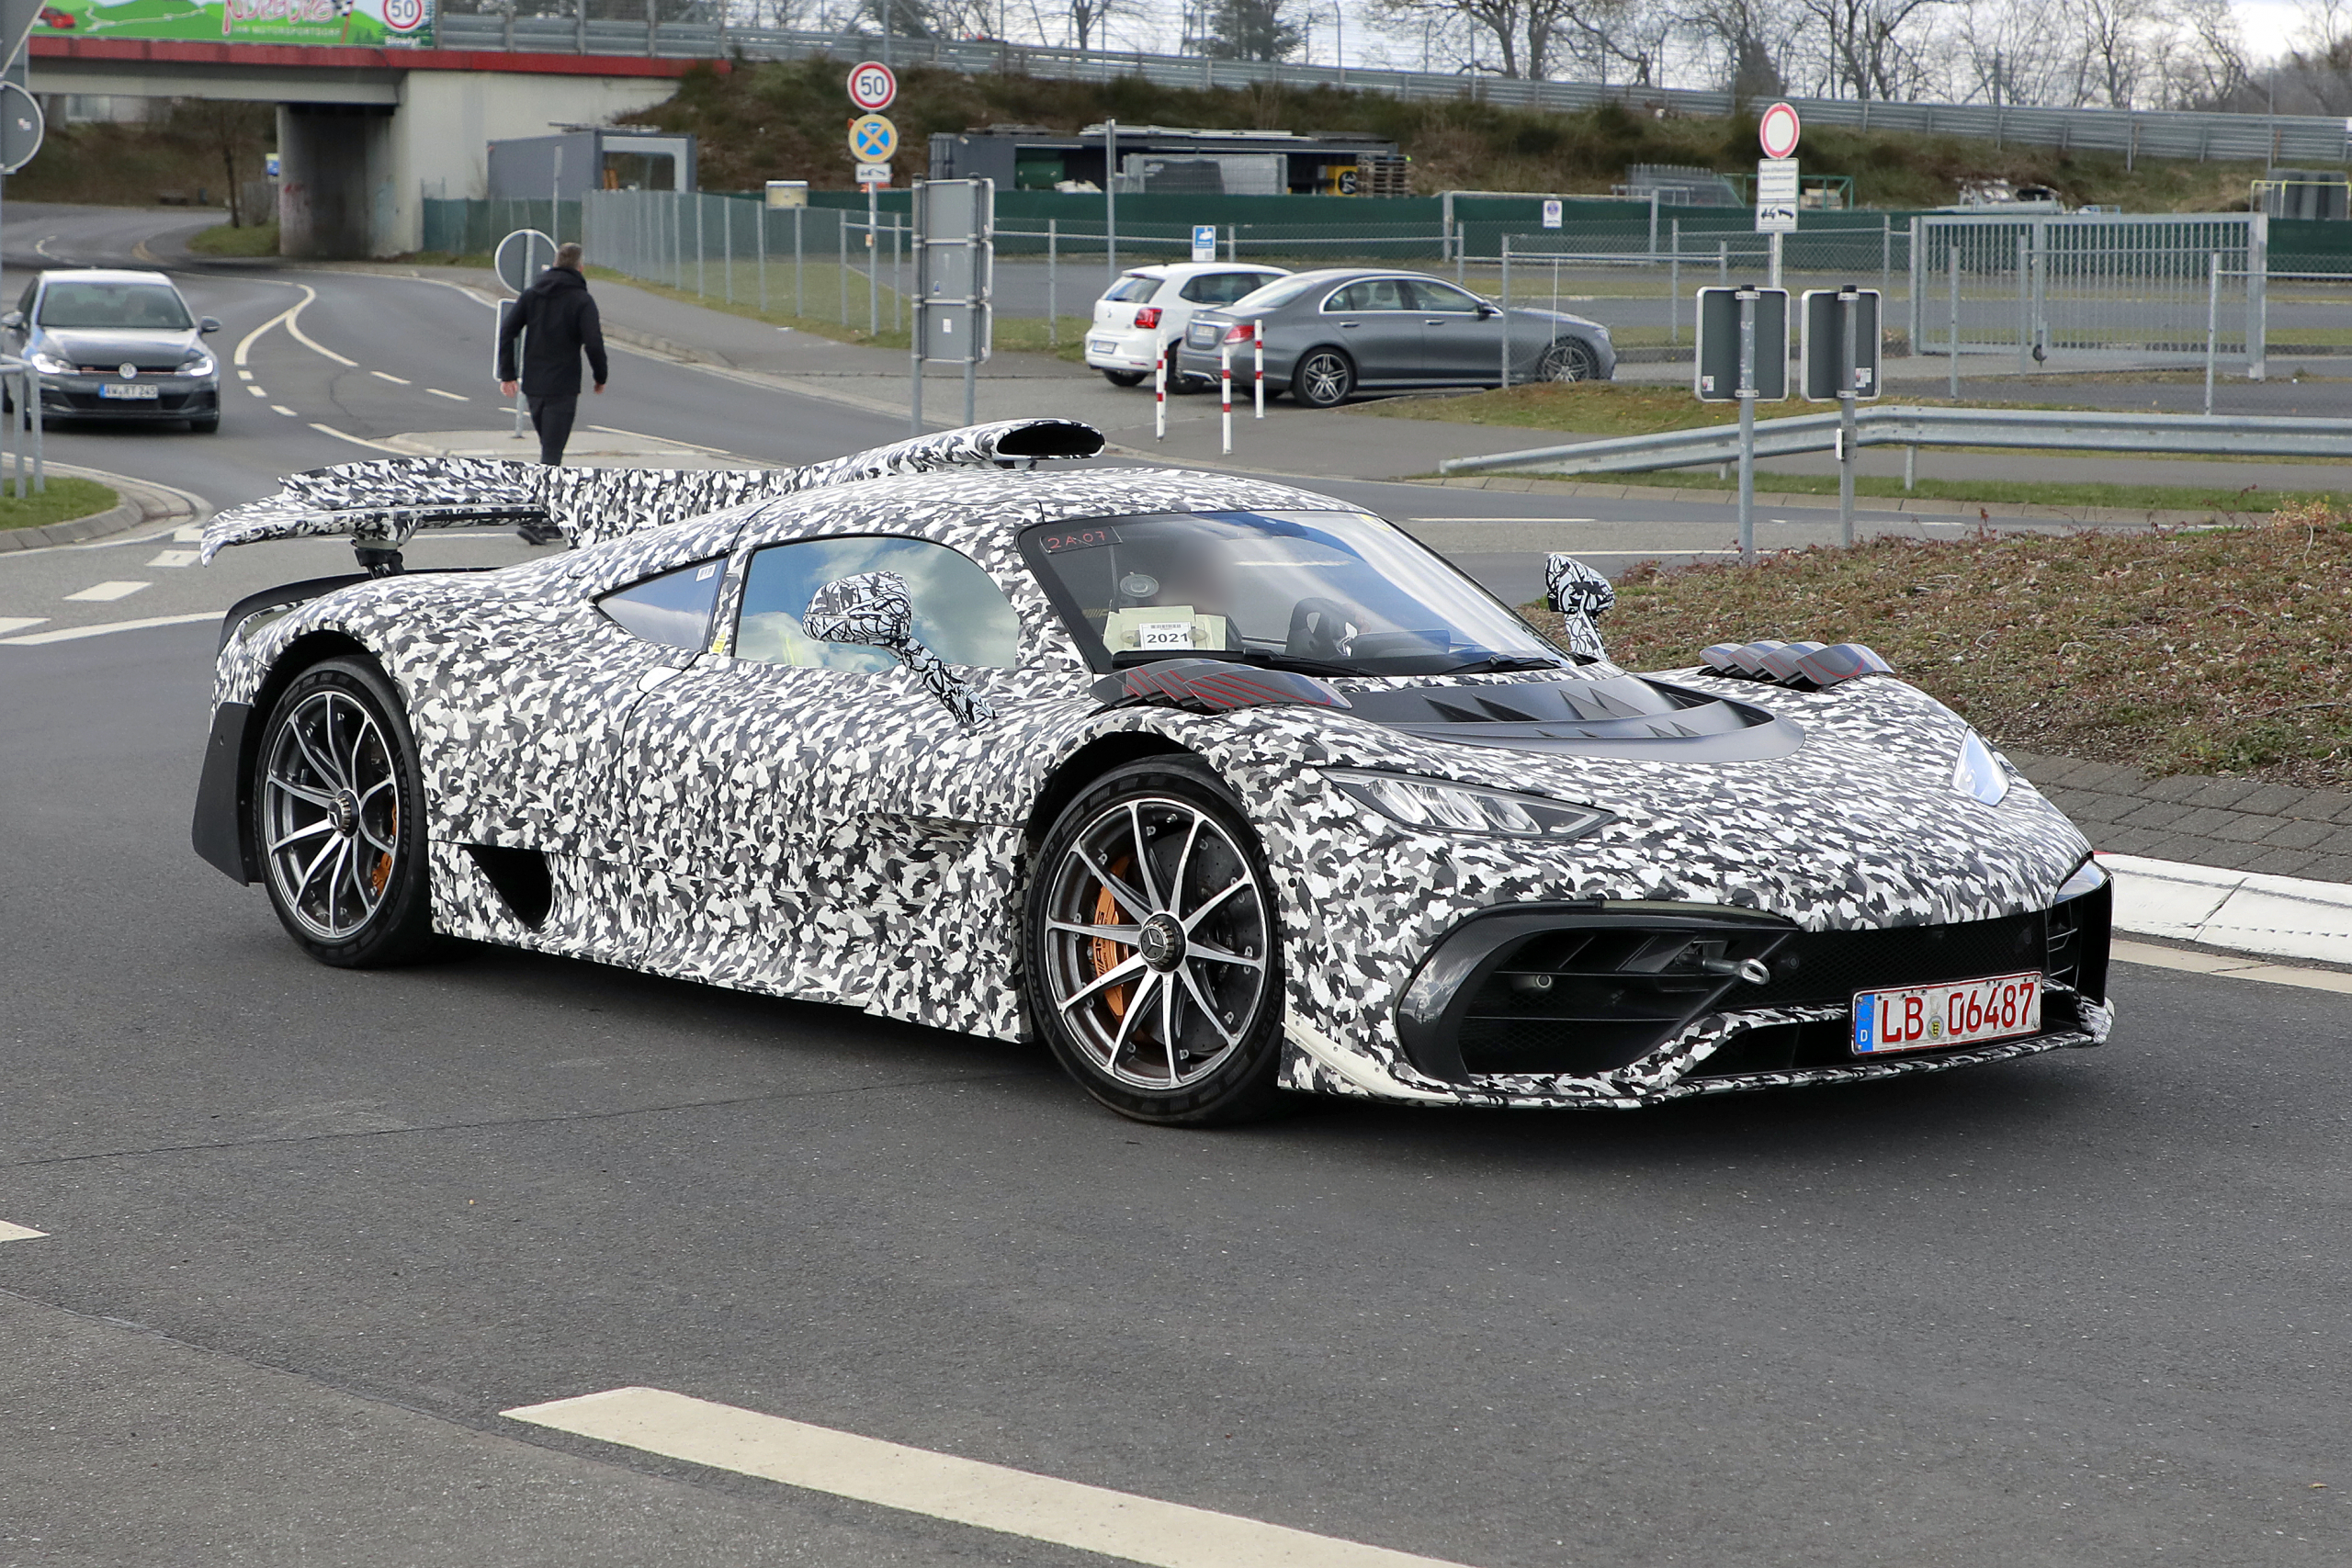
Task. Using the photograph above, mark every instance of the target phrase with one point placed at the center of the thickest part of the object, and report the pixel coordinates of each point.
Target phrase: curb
(1960, 510)
(2285, 917)
(139, 504)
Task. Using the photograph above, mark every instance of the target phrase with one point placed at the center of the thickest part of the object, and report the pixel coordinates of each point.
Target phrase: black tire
(1567, 360)
(1323, 378)
(338, 770)
(1124, 378)
(204, 426)
(1202, 1005)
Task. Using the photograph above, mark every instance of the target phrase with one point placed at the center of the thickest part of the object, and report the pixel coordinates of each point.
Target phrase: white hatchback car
(1150, 306)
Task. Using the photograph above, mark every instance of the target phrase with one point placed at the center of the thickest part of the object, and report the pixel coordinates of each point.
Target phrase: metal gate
(2092, 291)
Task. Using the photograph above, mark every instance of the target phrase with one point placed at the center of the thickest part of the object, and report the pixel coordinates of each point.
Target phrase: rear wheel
(1153, 968)
(1323, 379)
(1124, 378)
(339, 819)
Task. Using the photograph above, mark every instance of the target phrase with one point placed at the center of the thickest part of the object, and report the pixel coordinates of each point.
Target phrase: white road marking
(990, 1496)
(395, 380)
(175, 558)
(258, 391)
(244, 374)
(19, 622)
(191, 535)
(100, 592)
(281, 408)
(2231, 968)
(358, 440)
(19, 1233)
(453, 396)
(245, 343)
(75, 634)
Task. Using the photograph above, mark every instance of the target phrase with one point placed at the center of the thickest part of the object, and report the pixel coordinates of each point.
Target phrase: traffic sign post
(518, 261)
(1840, 356)
(1776, 178)
(1743, 355)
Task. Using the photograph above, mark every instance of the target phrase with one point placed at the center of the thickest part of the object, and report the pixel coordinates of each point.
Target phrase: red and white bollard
(1159, 393)
(1258, 340)
(1224, 381)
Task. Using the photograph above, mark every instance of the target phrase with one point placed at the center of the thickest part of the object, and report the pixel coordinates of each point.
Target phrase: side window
(674, 608)
(1222, 288)
(1435, 295)
(960, 613)
(1372, 294)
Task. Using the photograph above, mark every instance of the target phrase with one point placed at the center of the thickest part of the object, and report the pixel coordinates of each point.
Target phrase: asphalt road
(310, 1231)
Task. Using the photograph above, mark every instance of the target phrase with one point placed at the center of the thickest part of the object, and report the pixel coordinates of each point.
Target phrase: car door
(1461, 342)
(1374, 320)
(783, 810)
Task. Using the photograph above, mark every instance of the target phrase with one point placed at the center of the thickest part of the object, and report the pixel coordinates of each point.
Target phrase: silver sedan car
(1332, 334)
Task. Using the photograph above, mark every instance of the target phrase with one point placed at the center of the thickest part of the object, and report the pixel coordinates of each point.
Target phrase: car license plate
(130, 389)
(1104, 345)
(1958, 1012)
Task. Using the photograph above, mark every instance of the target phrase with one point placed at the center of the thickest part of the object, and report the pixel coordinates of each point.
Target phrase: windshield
(133, 305)
(1339, 590)
(1276, 294)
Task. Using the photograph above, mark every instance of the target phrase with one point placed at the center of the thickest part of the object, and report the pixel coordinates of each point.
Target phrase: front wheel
(1124, 378)
(339, 819)
(1568, 362)
(1323, 379)
(1153, 966)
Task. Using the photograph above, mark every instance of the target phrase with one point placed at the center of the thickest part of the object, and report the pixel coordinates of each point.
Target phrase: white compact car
(1152, 305)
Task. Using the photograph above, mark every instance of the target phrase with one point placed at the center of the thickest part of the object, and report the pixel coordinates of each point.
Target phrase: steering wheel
(1318, 627)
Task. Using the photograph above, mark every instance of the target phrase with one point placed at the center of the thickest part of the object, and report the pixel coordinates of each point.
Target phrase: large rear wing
(381, 504)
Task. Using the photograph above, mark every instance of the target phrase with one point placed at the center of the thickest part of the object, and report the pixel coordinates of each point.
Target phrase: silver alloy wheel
(1324, 378)
(1156, 942)
(331, 811)
(1567, 362)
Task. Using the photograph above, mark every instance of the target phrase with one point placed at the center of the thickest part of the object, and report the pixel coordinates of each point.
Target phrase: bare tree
(1733, 37)
(1871, 44)
(1087, 15)
(1527, 32)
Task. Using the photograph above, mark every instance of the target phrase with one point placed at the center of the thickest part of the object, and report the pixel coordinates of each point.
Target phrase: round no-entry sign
(870, 85)
(1777, 131)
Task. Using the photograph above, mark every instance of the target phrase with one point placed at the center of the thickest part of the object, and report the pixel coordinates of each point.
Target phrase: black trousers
(552, 417)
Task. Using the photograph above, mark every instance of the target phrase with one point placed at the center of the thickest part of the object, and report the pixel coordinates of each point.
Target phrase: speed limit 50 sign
(872, 87)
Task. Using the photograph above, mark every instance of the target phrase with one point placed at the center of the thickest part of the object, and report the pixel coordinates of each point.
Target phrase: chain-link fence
(1993, 292)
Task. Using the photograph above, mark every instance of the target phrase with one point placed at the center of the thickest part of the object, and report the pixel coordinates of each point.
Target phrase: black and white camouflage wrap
(876, 609)
(1581, 595)
(849, 838)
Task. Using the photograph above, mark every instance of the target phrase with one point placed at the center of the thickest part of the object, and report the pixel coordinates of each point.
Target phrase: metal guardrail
(1904, 424)
(21, 443)
(2165, 133)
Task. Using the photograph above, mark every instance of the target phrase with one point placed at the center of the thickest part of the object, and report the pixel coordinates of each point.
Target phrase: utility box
(954, 257)
(587, 158)
(1716, 378)
(1841, 343)
(787, 193)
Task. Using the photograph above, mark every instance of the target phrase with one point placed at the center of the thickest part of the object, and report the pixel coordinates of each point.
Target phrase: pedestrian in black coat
(557, 321)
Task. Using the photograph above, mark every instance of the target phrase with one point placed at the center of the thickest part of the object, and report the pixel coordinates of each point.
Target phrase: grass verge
(65, 500)
(1994, 492)
(2211, 650)
(1608, 408)
(251, 240)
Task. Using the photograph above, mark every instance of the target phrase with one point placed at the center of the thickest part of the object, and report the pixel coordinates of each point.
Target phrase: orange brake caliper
(1105, 953)
(383, 871)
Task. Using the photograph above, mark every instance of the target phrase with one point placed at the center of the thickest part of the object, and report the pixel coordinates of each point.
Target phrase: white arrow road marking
(175, 558)
(75, 634)
(19, 622)
(453, 396)
(100, 592)
(19, 1233)
(990, 1496)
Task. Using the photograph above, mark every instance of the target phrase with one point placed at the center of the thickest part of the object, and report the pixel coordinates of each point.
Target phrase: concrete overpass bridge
(364, 133)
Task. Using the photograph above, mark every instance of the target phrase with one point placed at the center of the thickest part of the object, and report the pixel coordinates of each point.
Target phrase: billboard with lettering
(404, 24)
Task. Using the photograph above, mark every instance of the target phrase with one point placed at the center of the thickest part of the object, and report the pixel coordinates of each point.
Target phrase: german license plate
(1104, 345)
(130, 389)
(1958, 1012)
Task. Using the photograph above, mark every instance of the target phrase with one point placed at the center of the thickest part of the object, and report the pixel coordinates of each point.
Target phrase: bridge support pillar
(336, 194)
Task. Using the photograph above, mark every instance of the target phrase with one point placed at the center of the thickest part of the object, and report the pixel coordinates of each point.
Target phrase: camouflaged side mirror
(874, 609)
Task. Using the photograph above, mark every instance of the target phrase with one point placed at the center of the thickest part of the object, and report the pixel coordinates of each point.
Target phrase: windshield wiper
(1264, 658)
(1499, 664)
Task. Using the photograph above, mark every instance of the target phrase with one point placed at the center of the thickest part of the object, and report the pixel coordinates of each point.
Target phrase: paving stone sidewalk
(2235, 824)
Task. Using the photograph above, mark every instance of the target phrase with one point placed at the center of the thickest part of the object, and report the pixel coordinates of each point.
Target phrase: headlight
(1433, 807)
(49, 364)
(197, 363)
(1978, 772)
(2089, 877)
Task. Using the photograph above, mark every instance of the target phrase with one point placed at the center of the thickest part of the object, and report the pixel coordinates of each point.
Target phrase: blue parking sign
(1205, 241)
